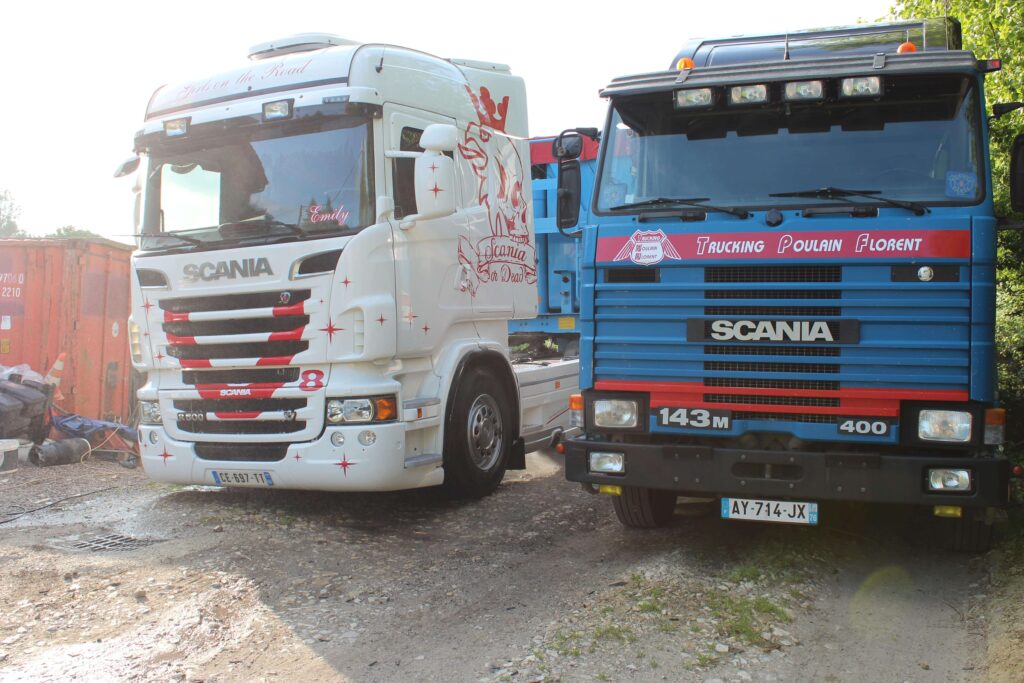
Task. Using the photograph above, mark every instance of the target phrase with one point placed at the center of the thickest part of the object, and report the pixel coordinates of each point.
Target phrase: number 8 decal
(312, 380)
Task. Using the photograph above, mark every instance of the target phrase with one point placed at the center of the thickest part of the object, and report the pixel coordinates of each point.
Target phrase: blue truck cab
(788, 291)
(559, 255)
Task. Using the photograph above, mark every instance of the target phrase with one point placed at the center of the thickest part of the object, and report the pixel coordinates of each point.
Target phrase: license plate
(241, 478)
(788, 512)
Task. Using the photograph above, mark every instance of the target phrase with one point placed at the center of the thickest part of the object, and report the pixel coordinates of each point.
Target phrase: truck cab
(789, 292)
(332, 240)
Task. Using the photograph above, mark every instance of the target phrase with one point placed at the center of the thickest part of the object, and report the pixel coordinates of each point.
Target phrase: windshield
(252, 184)
(919, 141)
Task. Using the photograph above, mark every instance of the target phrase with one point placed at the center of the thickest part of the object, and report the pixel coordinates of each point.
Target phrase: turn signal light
(576, 410)
(995, 426)
(952, 511)
(387, 409)
(684, 64)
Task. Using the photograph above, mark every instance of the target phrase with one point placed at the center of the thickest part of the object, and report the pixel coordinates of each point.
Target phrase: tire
(641, 508)
(970, 535)
(478, 436)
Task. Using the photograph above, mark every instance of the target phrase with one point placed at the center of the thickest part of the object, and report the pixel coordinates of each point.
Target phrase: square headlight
(149, 413)
(950, 426)
(949, 480)
(607, 463)
(616, 413)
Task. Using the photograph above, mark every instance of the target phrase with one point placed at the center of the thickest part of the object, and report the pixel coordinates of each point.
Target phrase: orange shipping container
(70, 296)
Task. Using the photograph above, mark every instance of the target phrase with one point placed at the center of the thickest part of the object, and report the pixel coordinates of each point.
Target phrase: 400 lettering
(864, 426)
(694, 418)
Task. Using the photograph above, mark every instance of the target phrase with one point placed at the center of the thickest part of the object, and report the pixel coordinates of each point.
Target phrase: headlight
(615, 413)
(607, 463)
(362, 410)
(149, 413)
(949, 480)
(134, 341)
(863, 86)
(951, 426)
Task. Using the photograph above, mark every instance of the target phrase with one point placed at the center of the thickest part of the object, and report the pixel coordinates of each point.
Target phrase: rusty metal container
(70, 296)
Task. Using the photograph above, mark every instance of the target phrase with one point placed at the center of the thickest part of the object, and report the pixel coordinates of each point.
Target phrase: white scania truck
(332, 240)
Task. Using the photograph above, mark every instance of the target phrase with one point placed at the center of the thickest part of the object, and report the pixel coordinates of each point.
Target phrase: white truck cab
(332, 240)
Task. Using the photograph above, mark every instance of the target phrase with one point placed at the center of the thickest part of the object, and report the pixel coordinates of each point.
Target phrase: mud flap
(517, 458)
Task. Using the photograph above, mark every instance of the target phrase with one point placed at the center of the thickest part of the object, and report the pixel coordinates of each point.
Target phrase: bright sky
(77, 75)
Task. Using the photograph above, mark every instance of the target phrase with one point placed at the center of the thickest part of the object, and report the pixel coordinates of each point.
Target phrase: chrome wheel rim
(484, 433)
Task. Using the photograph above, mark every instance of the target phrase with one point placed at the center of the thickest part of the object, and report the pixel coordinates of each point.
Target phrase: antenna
(785, 52)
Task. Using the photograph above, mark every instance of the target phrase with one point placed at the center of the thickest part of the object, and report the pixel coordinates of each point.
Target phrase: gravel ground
(537, 582)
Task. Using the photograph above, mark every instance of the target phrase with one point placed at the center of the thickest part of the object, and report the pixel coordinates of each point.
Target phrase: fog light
(149, 413)
(367, 438)
(944, 425)
(610, 490)
(949, 480)
(748, 94)
(701, 97)
(177, 128)
(153, 437)
(337, 439)
(607, 463)
(804, 90)
(953, 511)
(925, 273)
(864, 86)
(615, 413)
(282, 109)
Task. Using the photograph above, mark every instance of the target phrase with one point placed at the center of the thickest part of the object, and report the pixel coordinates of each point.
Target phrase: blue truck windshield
(303, 179)
(919, 141)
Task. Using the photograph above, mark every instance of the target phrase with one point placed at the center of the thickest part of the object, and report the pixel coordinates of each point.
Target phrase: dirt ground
(537, 582)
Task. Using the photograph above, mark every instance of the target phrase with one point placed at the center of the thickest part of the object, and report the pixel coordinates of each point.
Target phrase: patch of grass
(745, 572)
(602, 676)
(667, 626)
(744, 618)
(653, 663)
(567, 644)
(623, 634)
(649, 605)
(706, 658)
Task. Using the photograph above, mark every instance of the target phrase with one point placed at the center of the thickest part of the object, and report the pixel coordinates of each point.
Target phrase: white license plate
(241, 478)
(785, 511)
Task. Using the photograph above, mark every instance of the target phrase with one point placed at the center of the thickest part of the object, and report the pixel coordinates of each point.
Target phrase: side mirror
(435, 186)
(127, 167)
(439, 137)
(567, 213)
(566, 147)
(1017, 174)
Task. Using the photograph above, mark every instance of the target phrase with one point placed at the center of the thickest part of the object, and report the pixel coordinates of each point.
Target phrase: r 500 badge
(694, 418)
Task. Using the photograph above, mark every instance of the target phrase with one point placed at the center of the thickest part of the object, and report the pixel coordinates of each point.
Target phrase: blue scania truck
(788, 283)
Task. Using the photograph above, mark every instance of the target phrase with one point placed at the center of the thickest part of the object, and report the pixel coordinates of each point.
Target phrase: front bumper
(708, 471)
(313, 465)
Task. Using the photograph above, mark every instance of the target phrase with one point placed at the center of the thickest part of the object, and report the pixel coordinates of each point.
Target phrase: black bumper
(708, 471)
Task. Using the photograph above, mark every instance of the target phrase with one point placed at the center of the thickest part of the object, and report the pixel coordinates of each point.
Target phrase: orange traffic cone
(53, 376)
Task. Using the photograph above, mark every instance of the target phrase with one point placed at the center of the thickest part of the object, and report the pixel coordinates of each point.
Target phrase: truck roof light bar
(177, 128)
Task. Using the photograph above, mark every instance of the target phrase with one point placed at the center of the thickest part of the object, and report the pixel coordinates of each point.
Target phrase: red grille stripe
(238, 416)
(196, 363)
(288, 335)
(856, 401)
(294, 309)
(170, 317)
(183, 341)
(275, 360)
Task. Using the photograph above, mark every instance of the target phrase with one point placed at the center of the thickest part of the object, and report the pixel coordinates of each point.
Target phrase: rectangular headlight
(149, 413)
(862, 86)
(282, 109)
(950, 426)
(804, 90)
(607, 463)
(615, 413)
(949, 480)
(177, 128)
(698, 97)
(748, 94)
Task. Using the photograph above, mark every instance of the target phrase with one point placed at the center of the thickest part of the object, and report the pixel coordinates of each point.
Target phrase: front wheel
(642, 508)
(478, 438)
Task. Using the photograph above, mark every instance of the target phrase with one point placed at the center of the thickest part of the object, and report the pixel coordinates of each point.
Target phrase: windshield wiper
(689, 201)
(261, 222)
(839, 193)
(158, 235)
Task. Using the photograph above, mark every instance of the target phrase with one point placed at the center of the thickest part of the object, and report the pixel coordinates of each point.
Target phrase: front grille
(805, 351)
(234, 302)
(242, 452)
(765, 311)
(759, 400)
(741, 366)
(248, 350)
(242, 427)
(240, 405)
(773, 274)
(773, 294)
(819, 385)
(241, 376)
(245, 326)
(785, 417)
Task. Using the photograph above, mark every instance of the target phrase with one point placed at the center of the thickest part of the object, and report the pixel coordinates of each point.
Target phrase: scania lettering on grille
(250, 267)
(801, 331)
(236, 392)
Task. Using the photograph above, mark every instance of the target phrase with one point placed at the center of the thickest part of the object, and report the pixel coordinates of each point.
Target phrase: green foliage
(995, 29)
(9, 212)
(69, 231)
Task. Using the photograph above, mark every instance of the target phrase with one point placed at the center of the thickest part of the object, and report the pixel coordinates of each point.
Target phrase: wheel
(969, 534)
(642, 508)
(478, 438)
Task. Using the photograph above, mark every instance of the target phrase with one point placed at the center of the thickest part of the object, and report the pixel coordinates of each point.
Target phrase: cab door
(432, 292)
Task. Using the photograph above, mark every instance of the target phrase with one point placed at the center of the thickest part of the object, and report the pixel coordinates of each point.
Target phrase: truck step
(423, 460)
